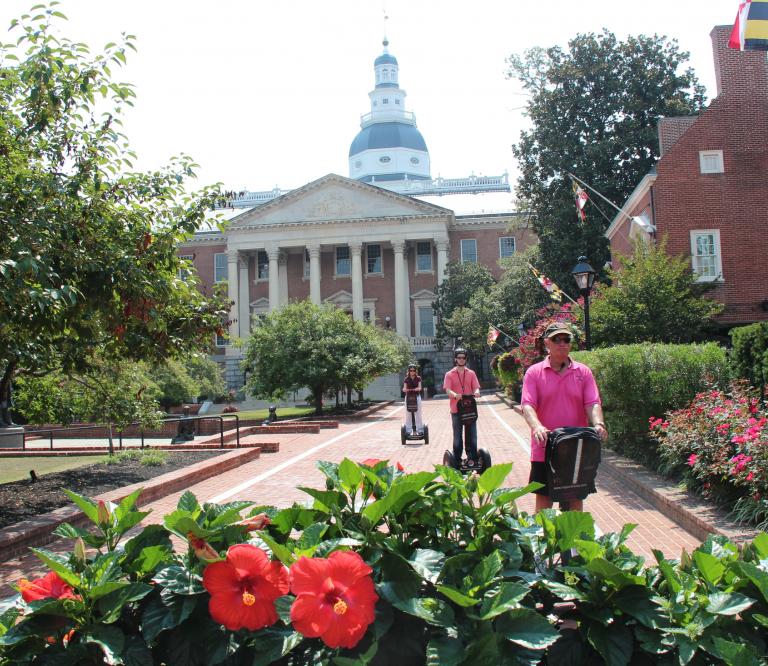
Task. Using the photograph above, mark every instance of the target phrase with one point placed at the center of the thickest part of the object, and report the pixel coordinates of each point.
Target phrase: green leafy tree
(209, 376)
(88, 265)
(594, 109)
(175, 383)
(462, 282)
(655, 298)
(319, 347)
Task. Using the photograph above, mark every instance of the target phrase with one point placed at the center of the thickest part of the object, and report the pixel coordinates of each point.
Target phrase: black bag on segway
(572, 458)
(467, 407)
(411, 401)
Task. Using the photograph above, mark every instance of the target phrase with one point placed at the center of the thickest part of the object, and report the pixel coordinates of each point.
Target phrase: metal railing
(119, 434)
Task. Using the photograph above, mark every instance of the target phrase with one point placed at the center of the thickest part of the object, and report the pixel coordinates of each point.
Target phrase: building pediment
(335, 199)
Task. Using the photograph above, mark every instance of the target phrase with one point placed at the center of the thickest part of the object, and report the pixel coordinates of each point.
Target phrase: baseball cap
(557, 328)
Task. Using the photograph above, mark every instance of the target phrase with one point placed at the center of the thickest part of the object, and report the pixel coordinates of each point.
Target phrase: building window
(367, 316)
(426, 322)
(185, 270)
(423, 257)
(385, 159)
(506, 246)
(262, 266)
(306, 264)
(711, 161)
(705, 255)
(343, 261)
(385, 101)
(373, 254)
(397, 100)
(468, 251)
(220, 267)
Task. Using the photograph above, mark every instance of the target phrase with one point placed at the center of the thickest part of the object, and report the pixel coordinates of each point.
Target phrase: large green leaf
(728, 603)
(444, 651)
(760, 544)
(188, 502)
(637, 601)
(758, 577)
(86, 504)
(508, 596)
(612, 573)
(179, 580)
(136, 652)
(325, 548)
(427, 563)
(562, 591)
(112, 603)
(613, 642)
(273, 644)
(109, 639)
(326, 500)
(127, 504)
(280, 551)
(147, 549)
(526, 627)
(737, 654)
(58, 564)
(709, 566)
(483, 650)
(487, 569)
(493, 477)
(350, 475)
(505, 497)
(165, 612)
(431, 610)
(402, 488)
(457, 596)
(572, 525)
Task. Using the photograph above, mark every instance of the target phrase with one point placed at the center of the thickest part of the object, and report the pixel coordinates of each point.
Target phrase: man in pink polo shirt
(458, 381)
(558, 392)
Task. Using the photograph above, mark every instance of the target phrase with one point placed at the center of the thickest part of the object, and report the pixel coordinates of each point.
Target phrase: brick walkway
(272, 479)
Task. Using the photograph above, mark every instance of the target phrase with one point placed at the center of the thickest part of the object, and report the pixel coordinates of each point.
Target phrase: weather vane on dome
(386, 18)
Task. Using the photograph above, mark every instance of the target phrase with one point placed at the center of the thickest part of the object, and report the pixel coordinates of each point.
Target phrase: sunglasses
(561, 339)
(461, 358)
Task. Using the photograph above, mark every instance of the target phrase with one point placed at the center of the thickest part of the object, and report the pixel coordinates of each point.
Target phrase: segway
(572, 458)
(412, 406)
(467, 406)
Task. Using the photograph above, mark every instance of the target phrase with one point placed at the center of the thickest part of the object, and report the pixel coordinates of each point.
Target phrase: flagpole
(604, 198)
(506, 335)
(550, 294)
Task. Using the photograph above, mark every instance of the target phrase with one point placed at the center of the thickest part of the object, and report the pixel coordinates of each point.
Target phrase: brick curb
(371, 410)
(16, 539)
(688, 510)
(190, 447)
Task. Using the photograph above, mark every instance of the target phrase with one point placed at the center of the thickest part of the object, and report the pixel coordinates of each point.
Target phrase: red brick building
(708, 193)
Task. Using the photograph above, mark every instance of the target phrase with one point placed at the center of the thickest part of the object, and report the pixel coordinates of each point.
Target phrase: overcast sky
(270, 92)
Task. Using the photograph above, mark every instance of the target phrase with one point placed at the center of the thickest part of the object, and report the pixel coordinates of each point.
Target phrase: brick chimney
(741, 74)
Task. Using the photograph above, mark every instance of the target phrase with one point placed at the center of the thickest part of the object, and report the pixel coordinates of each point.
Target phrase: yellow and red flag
(750, 30)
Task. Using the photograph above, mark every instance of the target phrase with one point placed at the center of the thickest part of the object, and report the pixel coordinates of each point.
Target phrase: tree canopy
(88, 265)
(319, 347)
(593, 109)
(654, 298)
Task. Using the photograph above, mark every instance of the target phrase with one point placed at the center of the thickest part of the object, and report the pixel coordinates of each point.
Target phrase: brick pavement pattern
(272, 478)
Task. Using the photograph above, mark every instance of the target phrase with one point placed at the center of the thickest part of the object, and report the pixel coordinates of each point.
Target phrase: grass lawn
(16, 469)
(282, 412)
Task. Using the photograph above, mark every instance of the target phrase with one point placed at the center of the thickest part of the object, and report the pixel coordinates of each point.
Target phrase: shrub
(749, 356)
(640, 381)
(383, 567)
(146, 457)
(719, 446)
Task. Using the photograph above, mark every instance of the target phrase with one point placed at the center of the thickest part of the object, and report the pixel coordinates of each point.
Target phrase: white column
(244, 296)
(282, 276)
(407, 290)
(274, 284)
(442, 260)
(314, 273)
(356, 250)
(232, 293)
(400, 323)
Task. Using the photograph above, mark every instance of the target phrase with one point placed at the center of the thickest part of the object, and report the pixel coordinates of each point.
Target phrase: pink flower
(692, 459)
(750, 476)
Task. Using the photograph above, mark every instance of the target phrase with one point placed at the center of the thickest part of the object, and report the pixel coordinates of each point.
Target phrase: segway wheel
(426, 434)
(449, 460)
(485, 459)
(403, 435)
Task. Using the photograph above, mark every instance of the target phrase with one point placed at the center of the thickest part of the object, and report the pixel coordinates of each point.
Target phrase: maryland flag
(581, 200)
(750, 30)
(555, 292)
(493, 333)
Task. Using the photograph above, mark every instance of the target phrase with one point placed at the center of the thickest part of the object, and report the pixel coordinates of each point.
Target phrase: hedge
(641, 381)
(749, 356)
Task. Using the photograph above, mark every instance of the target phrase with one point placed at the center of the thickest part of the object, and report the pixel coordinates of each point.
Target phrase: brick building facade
(708, 193)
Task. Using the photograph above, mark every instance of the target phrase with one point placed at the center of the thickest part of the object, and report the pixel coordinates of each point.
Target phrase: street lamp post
(584, 275)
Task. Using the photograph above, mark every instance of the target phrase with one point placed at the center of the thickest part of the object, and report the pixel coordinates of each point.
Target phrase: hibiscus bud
(472, 482)
(257, 522)
(202, 548)
(79, 550)
(103, 515)
(328, 484)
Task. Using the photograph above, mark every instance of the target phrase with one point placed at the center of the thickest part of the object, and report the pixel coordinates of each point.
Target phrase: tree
(462, 281)
(209, 376)
(175, 383)
(655, 298)
(88, 265)
(594, 109)
(320, 347)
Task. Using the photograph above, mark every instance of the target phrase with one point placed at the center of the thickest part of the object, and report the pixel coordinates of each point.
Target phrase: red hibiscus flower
(50, 586)
(244, 587)
(335, 598)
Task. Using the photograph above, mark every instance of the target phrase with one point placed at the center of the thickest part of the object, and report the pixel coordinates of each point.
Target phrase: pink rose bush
(718, 444)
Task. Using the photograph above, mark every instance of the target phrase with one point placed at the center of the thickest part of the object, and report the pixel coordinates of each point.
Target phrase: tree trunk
(5, 394)
(338, 401)
(349, 396)
(111, 443)
(318, 401)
